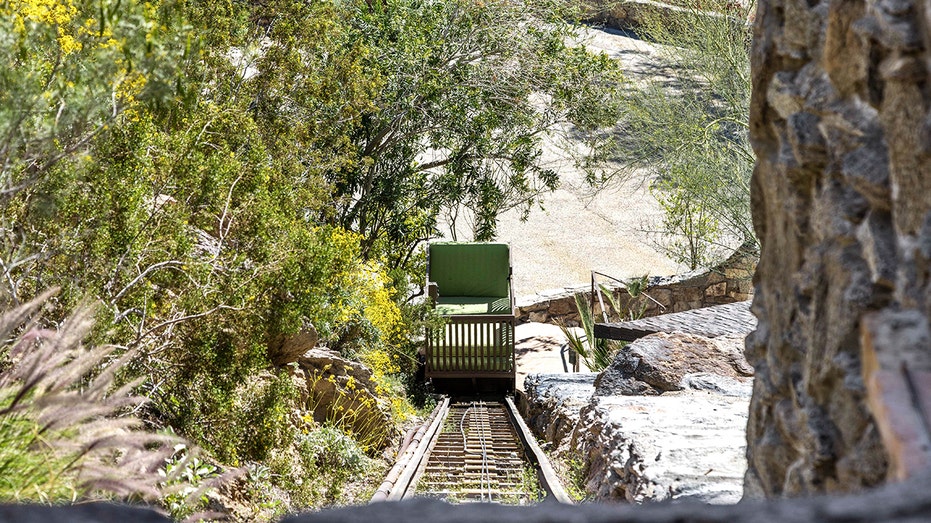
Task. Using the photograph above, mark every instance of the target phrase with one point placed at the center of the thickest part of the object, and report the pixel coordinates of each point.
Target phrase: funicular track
(473, 451)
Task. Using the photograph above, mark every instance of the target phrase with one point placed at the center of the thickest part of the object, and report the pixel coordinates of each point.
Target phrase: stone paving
(710, 322)
(538, 351)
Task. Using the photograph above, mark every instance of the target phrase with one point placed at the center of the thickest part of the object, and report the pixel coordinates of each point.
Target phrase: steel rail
(549, 480)
(407, 453)
(403, 482)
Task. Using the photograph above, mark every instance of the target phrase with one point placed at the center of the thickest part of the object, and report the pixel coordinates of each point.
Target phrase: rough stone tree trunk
(841, 198)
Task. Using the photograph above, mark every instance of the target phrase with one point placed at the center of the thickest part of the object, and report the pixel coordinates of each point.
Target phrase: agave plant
(597, 353)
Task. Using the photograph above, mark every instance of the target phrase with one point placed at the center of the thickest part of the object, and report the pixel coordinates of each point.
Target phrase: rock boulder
(680, 445)
(287, 349)
(666, 421)
(554, 404)
(668, 362)
(342, 392)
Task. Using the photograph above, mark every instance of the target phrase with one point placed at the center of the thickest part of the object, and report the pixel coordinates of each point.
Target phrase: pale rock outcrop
(287, 349)
(337, 390)
(678, 445)
(554, 402)
(681, 437)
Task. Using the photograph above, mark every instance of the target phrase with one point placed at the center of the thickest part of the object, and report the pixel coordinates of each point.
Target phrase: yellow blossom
(53, 12)
(67, 43)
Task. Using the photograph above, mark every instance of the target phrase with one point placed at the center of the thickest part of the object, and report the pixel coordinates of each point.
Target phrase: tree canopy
(688, 129)
(217, 175)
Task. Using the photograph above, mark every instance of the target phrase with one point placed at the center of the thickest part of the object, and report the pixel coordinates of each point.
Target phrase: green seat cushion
(470, 269)
(454, 305)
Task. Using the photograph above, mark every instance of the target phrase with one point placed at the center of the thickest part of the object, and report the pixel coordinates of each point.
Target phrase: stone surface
(336, 389)
(841, 195)
(680, 445)
(640, 442)
(725, 284)
(287, 349)
(731, 319)
(661, 362)
(552, 404)
(718, 384)
(897, 373)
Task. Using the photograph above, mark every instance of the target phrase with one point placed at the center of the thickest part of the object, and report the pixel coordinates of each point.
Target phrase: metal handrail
(597, 291)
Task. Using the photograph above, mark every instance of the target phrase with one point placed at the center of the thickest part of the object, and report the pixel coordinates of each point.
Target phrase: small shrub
(575, 484)
(320, 466)
(328, 449)
(263, 417)
(352, 409)
(189, 480)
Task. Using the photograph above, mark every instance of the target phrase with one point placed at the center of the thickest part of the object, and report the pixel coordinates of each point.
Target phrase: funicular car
(470, 286)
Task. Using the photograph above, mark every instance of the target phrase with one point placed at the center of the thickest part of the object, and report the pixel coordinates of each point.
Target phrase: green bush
(688, 129)
(212, 205)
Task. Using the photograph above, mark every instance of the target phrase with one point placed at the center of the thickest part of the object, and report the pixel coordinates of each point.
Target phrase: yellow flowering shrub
(380, 310)
(58, 13)
(385, 367)
(74, 30)
(366, 298)
(365, 291)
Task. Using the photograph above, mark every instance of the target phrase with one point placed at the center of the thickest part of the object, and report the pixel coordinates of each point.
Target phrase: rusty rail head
(549, 480)
(387, 487)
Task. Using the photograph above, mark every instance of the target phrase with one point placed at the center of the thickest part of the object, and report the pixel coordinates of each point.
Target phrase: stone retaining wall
(840, 122)
(728, 283)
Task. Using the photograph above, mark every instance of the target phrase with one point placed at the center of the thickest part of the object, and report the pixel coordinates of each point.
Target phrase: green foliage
(189, 476)
(597, 353)
(218, 176)
(688, 129)
(328, 448)
(575, 471)
(455, 101)
(31, 471)
(72, 67)
(692, 229)
(235, 422)
(329, 459)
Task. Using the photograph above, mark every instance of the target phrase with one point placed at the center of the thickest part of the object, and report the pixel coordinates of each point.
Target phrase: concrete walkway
(537, 351)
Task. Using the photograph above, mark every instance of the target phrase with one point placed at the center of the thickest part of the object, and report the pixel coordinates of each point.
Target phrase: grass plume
(67, 432)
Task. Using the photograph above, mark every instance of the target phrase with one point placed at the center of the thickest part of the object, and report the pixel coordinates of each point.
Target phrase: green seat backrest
(470, 269)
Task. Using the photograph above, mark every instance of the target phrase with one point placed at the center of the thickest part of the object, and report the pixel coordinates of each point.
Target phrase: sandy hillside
(578, 232)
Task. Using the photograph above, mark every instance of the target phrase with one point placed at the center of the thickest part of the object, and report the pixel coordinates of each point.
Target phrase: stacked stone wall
(841, 197)
(728, 283)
